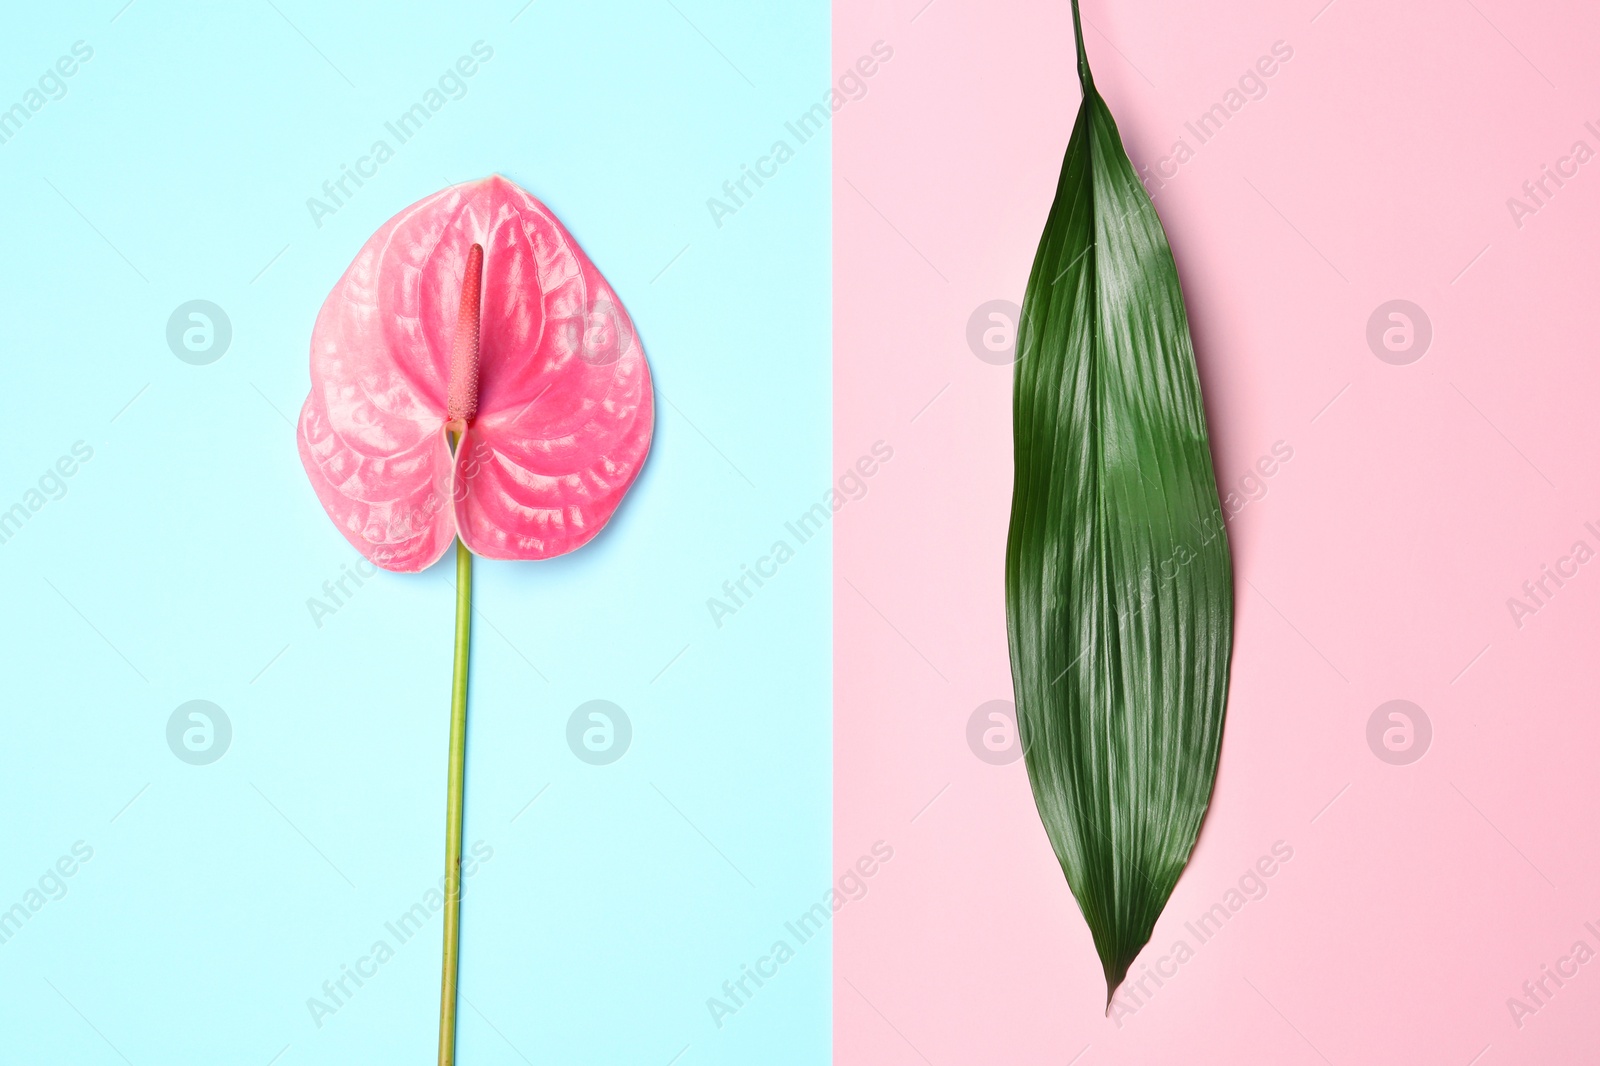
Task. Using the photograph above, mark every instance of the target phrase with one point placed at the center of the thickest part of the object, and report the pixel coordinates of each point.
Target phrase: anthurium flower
(473, 380)
(551, 404)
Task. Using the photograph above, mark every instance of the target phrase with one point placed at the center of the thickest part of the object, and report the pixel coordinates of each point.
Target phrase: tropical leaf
(1119, 588)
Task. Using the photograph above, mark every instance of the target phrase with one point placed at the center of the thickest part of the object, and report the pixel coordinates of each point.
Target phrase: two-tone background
(222, 762)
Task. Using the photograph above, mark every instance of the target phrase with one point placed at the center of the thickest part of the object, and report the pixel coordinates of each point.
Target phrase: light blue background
(182, 555)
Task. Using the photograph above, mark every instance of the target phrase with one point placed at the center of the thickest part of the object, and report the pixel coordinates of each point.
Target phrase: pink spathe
(555, 426)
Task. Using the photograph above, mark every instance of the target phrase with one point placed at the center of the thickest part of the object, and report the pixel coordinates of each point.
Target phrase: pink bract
(563, 406)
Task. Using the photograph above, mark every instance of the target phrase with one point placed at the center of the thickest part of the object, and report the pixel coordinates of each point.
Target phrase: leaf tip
(1116, 969)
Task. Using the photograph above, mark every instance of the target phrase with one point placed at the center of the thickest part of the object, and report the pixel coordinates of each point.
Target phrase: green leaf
(1119, 588)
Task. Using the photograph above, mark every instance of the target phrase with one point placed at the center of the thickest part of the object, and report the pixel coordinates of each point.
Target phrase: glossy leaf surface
(1119, 588)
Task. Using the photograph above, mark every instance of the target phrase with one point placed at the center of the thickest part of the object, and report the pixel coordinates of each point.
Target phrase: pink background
(1377, 566)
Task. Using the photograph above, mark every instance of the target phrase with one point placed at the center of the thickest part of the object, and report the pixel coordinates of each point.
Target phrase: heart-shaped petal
(560, 412)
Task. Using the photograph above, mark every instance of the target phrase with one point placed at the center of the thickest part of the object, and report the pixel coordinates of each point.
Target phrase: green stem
(1084, 77)
(453, 809)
